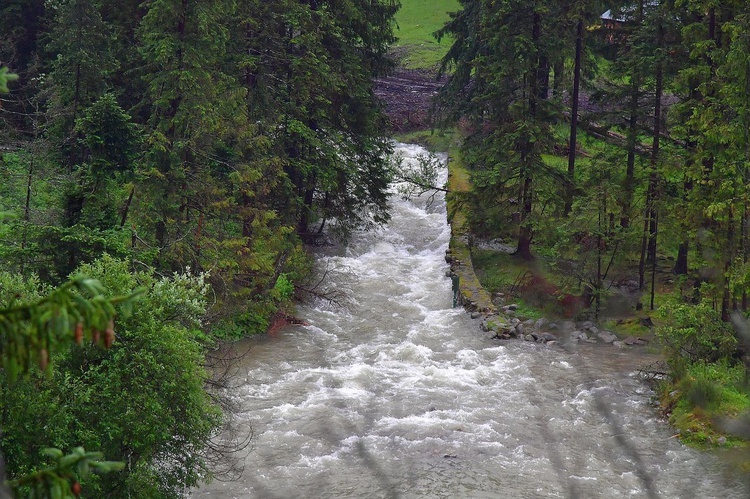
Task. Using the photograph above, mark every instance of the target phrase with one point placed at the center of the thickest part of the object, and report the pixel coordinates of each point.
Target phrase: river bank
(694, 416)
(400, 394)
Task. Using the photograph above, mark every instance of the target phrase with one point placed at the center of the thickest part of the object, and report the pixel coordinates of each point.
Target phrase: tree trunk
(126, 208)
(27, 211)
(574, 120)
(632, 140)
(727, 292)
(525, 231)
(681, 263)
(745, 250)
(652, 214)
(653, 261)
(559, 70)
(629, 183)
(642, 261)
(598, 287)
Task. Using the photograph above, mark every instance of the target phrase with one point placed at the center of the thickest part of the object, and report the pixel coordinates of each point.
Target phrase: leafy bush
(693, 334)
(141, 401)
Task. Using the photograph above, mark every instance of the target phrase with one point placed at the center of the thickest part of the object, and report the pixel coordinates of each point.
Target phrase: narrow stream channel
(400, 395)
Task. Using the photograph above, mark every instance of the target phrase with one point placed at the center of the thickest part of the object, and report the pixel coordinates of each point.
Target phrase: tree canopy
(187, 148)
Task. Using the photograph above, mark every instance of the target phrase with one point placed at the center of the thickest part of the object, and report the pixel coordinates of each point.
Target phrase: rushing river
(398, 394)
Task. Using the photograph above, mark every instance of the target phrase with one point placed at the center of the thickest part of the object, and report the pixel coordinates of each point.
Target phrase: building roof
(627, 12)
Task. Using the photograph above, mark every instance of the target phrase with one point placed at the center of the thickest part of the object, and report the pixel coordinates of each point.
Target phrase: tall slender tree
(500, 81)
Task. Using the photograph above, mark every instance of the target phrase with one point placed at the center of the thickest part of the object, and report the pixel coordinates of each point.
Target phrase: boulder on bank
(607, 337)
(501, 327)
(578, 336)
(540, 337)
(635, 341)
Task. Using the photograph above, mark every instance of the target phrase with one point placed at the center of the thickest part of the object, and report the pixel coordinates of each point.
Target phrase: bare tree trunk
(525, 231)
(652, 210)
(559, 70)
(598, 287)
(642, 261)
(539, 87)
(126, 208)
(744, 235)
(27, 211)
(726, 295)
(653, 261)
(574, 120)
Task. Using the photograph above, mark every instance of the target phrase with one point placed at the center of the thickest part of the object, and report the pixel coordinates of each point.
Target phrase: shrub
(693, 334)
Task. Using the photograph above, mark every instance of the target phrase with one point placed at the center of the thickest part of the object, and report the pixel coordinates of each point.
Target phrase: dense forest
(611, 141)
(188, 150)
(165, 165)
(663, 84)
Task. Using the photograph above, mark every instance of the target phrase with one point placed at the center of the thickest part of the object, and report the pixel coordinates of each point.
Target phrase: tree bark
(126, 208)
(652, 213)
(525, 231)
(572, 146)
(726, 295)
(632, 141)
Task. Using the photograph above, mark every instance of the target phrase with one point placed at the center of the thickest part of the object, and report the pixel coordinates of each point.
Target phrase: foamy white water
(401, 395)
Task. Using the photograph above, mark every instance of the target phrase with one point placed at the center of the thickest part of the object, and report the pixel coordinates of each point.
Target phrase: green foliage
(34, 325)
(110, 138)
(54, 482)
(705, 398)
(693, 333)
(283, 288)
(418, 179)
(5, 77)
(141, 401)
(53, 252)
(77, 310)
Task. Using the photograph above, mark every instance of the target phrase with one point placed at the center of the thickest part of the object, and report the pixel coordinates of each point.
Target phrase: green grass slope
(416, 21)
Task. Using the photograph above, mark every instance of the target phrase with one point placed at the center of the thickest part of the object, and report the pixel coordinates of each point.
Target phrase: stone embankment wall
(467, 291)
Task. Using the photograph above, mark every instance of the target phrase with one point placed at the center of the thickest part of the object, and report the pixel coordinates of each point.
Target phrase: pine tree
(183, 45)
(500, 81)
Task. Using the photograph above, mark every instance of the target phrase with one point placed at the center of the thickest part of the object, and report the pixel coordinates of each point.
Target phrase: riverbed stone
(578, 336)
(495, 323)
(635, 341)
(607, 337)
(529, 337)
(520, 329)
(587, 325)
(542, 337)
(541, 324)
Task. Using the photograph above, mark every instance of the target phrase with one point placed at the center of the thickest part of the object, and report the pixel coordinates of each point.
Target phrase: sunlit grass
(417, 20)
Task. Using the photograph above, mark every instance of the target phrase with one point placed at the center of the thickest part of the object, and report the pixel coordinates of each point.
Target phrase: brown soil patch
(407, 96)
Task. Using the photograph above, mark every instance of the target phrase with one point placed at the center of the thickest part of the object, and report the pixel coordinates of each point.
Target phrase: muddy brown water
(400, 395)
